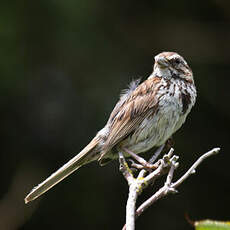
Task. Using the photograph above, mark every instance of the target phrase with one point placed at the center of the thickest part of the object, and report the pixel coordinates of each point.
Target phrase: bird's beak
(161, 61)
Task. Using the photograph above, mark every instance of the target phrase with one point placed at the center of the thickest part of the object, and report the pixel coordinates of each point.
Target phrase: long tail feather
(85, 156)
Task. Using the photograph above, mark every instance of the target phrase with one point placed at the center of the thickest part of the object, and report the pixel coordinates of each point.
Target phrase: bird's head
(172, 65)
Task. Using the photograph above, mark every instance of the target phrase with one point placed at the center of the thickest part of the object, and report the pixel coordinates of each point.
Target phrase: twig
(162, 191)
(192, 170)
(136, 185)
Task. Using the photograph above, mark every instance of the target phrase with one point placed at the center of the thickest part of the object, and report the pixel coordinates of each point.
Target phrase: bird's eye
(177, 61)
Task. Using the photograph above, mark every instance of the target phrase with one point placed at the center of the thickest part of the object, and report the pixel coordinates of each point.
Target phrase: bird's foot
(142, 163)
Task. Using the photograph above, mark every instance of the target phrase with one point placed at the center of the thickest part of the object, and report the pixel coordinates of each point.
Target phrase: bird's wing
(131, 110)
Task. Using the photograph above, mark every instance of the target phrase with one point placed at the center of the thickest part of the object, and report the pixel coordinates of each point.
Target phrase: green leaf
(212, 225)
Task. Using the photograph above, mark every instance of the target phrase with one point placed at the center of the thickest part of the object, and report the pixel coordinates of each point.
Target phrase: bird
(145, 116)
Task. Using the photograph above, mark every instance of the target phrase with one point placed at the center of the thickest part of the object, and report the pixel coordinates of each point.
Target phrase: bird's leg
(169, 143)
(156, 154)
(142, 161)
(135, 166)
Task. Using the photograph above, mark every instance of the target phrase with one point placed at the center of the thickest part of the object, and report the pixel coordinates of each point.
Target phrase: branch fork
(167, 165)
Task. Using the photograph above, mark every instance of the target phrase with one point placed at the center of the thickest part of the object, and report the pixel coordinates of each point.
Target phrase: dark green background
(62, 67)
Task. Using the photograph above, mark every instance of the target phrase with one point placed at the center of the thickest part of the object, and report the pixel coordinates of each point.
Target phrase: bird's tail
(85, 156)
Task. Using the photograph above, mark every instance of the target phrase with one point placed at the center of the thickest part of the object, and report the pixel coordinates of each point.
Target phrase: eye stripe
(176, 61)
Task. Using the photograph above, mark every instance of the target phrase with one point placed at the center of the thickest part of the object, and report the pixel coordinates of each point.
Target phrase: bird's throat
(161, 72)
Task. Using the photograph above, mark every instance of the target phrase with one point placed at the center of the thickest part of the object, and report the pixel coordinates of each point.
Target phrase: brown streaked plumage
(146, 115)
(131, 113)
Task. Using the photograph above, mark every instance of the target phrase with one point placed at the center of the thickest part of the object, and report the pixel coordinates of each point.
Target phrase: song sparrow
(146, 115)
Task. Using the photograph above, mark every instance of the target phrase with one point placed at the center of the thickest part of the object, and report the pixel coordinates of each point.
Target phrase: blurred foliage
(212, 225)
(62, 66)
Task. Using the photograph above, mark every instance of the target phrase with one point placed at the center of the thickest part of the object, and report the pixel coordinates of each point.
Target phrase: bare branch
(194, 166)
(171, 187)
(162, 191)
(136, 185)
(131, 207)
(124, 168)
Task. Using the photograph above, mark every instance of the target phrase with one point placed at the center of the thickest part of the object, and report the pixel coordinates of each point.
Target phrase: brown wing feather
(129, 113)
